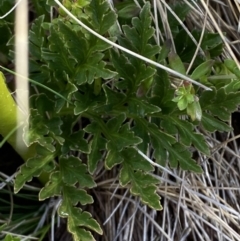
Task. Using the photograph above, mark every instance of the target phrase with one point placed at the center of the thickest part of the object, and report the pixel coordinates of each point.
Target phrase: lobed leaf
(102, 18)
(41, 130)
(75, 142)
(96, 145)
(174, 125)
(36, 38)
(73, 171)
(163, 143)
(140, 34)
(141, 108)
(142, 184)
(123, 138)
(34, 167)
(219, 103)
(52, 188)
(136, 162)
(211, 124)
(77, 195)
(78, 220)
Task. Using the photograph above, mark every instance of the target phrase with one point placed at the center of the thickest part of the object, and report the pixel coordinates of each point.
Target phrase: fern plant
(111, 106)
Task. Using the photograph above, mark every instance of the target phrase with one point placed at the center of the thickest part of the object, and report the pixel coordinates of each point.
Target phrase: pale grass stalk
(21, 63)
(21, 66)
(54, 212)
(115, 209)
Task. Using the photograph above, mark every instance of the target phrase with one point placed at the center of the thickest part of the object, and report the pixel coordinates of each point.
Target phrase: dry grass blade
(21, 58)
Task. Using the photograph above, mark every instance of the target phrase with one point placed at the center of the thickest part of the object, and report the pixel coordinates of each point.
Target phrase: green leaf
(185, 97)
(77, 195)
(210, 40)
(141, 108)
(34, 167)
(176, 63)
(9, 237)
(75, 142)
(113, 158)
(123, 67)
(139, 131)
(42, 103)
(54, 125)
(143, 186)
(36, 37)
(83, 219)
(202, 70)
(79, 60)
(136, 162)
(162, 92)
(3, 226)
(148, 196)
(120, 138)
(102, 18)
(127, 10)
(113, 97)
(194, 111)
(39, 129)
(67, 93)
(160, 141)
(74, 171)
(182, 103)
(78, 220)
(75, 43)
(163, 143)
(80, 234)
(82, 103)
(56, 56)
(160, 152)
(135, 169)
(123, 138)
(115, 123)
(94, 68)
(139, 35)
(52, 188)
(180, 154)
(186, 133)
(143, 74)
(97, 86)
(233, 86)
(213, 124)
(96, 145)
(232, 66)
(219, 103)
